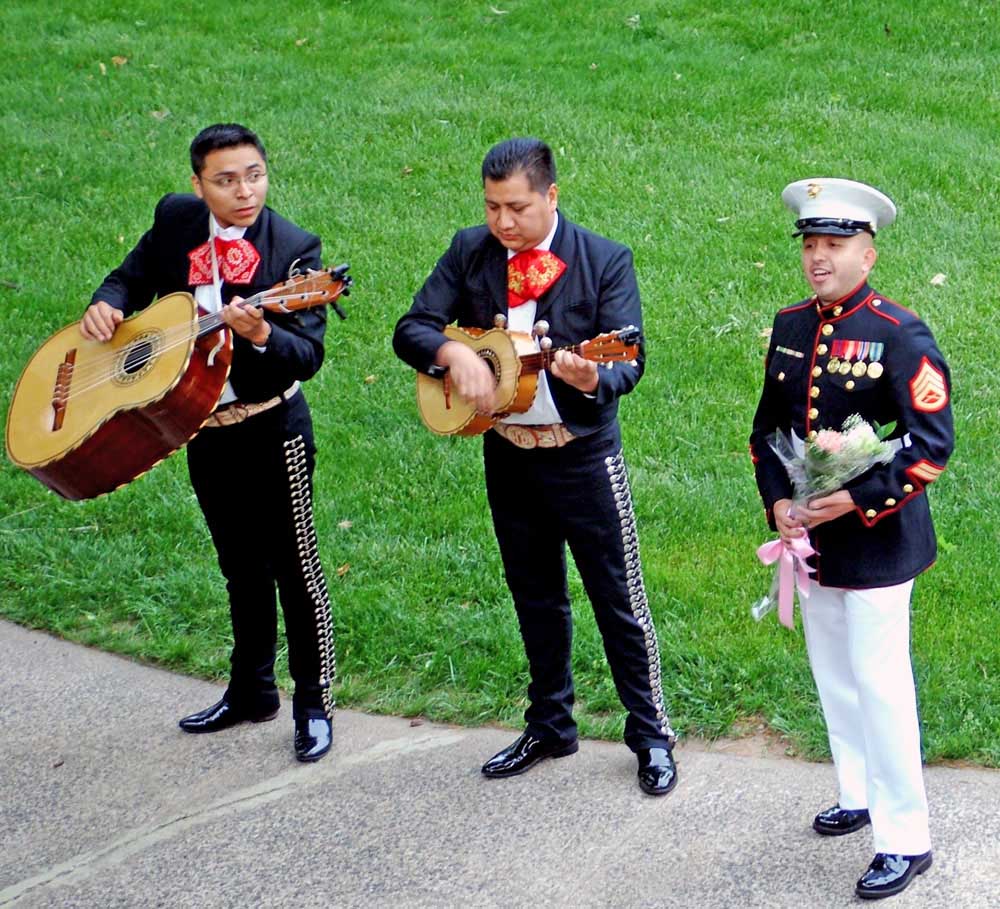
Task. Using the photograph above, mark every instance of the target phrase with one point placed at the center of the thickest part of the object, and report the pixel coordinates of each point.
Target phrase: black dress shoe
(890, 874)
(524, 753)
(313, 737)
(223, 715)
(837, 821)
(657, 770)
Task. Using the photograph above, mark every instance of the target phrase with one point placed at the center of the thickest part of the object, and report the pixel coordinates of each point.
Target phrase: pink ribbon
(794, 572)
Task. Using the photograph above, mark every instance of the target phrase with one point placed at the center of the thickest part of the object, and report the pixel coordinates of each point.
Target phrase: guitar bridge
(60, 394)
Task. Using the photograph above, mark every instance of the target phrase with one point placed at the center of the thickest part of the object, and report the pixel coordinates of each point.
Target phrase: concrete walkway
(106, 803)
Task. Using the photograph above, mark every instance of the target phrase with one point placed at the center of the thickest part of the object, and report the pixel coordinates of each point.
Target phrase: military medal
(874, 369)
(833, 365)
(845, 367)
(859, 369)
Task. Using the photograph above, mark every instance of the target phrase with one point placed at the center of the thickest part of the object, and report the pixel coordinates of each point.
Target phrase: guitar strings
(107, 367)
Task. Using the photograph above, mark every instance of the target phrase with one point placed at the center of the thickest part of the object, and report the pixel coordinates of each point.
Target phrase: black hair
(532, 157)
(222, 135)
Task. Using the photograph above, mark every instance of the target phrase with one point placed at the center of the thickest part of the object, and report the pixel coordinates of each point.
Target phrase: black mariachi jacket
(813, 381)
(159, 266)
(596, 293)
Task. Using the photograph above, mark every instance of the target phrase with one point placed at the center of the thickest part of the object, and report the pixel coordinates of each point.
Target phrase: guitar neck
(542, 359)
(272, 299)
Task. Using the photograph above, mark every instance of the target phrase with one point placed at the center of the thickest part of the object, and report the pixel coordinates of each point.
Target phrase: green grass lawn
(676, 125)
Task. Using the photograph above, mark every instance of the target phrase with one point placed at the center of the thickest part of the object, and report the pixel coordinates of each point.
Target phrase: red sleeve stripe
(925, 471)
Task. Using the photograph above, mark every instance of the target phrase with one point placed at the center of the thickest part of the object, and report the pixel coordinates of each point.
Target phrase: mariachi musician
(554, 474)
(251, 465)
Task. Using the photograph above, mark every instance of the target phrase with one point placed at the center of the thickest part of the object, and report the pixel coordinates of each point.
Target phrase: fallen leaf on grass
(118, 60)
(498, 12)
(371, 380)
(758, 264)
(104, 69)
(159, 114)
(301, 41)
(346, 567)
(938, 279)
(346, 525)
(766, 332)
(406, 171)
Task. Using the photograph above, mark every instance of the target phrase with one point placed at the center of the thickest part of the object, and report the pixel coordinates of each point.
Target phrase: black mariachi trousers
(253, 481)
(542, 499)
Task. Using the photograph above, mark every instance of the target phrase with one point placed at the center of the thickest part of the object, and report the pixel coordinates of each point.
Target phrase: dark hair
(532, 157)
(222, 135)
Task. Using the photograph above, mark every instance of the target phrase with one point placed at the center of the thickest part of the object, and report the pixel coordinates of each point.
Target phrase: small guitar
(515, 363)
(88, 417)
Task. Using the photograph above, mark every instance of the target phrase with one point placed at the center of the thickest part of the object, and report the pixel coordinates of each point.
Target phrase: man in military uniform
(848, 349)
(555, 475)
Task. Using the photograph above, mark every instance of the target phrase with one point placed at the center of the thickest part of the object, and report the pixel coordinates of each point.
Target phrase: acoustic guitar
(88, 416)
(515, 363)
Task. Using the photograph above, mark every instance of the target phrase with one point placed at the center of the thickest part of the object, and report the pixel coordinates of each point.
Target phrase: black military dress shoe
(890, 874)
(657, 770)
(313, 737)
(524, 753)
(837, 821)
(221, 716)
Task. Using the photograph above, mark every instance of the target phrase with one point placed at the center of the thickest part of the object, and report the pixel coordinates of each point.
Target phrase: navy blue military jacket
(158, 265)
(867, 355)
(597, 293)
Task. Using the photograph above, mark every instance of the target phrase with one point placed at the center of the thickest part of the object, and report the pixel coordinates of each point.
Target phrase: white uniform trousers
(859, 650)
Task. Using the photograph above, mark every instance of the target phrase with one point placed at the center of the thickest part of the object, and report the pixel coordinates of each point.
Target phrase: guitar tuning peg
(500, 320)
(540, 329)
(545, 343)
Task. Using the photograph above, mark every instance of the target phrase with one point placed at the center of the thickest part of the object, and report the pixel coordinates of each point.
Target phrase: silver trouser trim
(800, 447)
(312, 571)
(638, 602)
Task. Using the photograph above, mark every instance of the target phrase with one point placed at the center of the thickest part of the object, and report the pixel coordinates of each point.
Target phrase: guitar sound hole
(492, 360)
(137, 357)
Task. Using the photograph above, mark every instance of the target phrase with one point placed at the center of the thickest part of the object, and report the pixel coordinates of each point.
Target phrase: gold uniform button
(907, 488)
(812, 434)
(837, 310)
(814, 391)
(849, 384)
(827, 329)
(890, 502)
(781, 377)
(817, 371)
(822, 349)
(871, 513)
(813, 413)
(876, 302)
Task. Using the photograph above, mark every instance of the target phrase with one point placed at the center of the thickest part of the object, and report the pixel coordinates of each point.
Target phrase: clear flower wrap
(827, 461)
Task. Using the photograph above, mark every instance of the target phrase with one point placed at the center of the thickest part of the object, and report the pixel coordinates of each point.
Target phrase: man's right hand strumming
(471, 377)
(100, 321)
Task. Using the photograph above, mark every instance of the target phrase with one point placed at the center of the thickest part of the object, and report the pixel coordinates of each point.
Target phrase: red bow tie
(238, 261)
(530, 273)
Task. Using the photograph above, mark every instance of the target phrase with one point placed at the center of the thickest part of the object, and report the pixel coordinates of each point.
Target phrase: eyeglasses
(231, 181)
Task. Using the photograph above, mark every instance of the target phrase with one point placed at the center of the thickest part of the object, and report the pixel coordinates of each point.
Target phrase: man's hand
(575, 371)
(472, 379)
(787, 520)
(819, 511)
(100, 321)
(248, 322)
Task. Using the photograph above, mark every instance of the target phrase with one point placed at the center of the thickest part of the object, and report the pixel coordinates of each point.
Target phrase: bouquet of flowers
(826, 462)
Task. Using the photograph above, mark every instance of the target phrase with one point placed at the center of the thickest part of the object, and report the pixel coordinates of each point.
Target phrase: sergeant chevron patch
(928, 388)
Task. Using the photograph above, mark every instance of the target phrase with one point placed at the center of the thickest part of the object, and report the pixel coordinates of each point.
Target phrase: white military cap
(829, 205)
